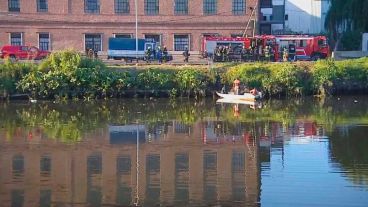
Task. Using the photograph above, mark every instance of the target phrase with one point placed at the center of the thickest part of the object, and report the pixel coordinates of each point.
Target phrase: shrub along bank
(65, 75)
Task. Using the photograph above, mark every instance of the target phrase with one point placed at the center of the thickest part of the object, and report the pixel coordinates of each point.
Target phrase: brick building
(176, 169)
(81, 24)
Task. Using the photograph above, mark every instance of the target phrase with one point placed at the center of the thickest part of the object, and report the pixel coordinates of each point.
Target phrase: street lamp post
(136, 29)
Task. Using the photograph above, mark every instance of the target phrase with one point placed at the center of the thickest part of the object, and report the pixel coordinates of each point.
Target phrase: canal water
(148, 152)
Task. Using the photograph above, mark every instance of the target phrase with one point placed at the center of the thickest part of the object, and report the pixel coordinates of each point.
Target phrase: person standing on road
(267, 53)
(159, 54)
(186, 55)
(285, 54)
(148, 55)
(165, 54)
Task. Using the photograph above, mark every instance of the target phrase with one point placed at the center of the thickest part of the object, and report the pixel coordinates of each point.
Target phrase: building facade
(175, 170)
(83, 24)
(293, 16)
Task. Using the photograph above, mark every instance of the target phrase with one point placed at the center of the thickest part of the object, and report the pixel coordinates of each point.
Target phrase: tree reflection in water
(190, 153)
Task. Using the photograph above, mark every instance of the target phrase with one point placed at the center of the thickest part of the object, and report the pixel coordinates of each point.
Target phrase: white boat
(244, 97)
(236, 101)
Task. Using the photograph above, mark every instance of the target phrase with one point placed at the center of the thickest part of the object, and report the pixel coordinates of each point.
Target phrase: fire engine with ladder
(302, 47)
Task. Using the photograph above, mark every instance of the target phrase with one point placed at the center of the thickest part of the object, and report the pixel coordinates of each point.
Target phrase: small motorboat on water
(243, 97)
(236, 101)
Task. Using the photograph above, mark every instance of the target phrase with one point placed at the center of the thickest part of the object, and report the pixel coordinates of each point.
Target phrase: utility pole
(136, 29)
(283, 20)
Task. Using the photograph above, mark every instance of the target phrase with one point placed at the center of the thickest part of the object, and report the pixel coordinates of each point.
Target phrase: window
(16, 39)
(18, 164)
(151, 7)
(303, 43)
(266, 3)
(123, 165)
(42, 6)
(153, 38)
(181, 7)
(45, 198)
(13, 5)
(236, 35)
(94, 164)
(181, 42)
(45, 165)
(123, 35)
(17, 198)
(122, 7)
(93, 41)
(92, 6)
(238, 162)
(286, 17)
(238, 7)
(209, 7)
(44, 41)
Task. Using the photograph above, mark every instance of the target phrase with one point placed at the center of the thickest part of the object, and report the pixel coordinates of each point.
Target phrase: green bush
(10, 74)
(154, 79)
(325, 75)
(66, 74)
(65, 61)
(286, 79)
(354, 73)
(191, 82)
(252, 75)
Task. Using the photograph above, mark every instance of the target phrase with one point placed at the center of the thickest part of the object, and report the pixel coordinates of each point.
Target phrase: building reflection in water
(207, 163)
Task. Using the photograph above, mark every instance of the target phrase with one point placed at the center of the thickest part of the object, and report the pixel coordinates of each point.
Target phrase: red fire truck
(209, 44)
(260, 42)
(307, 47)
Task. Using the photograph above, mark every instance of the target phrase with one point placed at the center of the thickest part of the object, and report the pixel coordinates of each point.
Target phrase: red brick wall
(68, 26)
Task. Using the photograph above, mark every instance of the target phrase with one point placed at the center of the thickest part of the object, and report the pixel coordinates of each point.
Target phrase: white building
(293, 16)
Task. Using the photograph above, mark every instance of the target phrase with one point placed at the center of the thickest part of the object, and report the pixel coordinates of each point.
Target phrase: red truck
(19, 52)
(307, 47)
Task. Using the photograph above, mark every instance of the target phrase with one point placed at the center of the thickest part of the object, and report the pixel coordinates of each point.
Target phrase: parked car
(19, 52)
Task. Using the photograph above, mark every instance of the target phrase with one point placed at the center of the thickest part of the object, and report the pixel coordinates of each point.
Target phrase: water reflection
(179, 154)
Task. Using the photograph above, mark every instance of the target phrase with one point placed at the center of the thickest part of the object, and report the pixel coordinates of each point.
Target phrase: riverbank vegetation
(67, 75)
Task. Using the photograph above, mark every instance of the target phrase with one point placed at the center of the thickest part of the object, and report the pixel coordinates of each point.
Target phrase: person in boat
(254, 92)
(236, 86)
(236, 110)
(223, 89)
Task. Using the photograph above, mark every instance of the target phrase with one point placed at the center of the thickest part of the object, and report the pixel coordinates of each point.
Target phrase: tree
(346, 17)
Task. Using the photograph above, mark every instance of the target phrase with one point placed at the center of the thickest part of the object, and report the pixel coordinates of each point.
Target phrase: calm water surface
(144, 152)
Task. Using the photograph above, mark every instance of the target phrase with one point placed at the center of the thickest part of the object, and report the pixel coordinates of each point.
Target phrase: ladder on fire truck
(249, 20)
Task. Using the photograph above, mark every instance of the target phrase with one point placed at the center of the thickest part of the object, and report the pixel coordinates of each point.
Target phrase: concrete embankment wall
(341, 55)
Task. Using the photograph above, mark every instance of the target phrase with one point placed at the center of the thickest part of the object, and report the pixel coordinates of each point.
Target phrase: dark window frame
(239, 7)
(93, 41)
(42, 6)
(18, 165)
(45, 164)
(92, 6)
(152, 7)
(181, 7)
(43, 42)
(123, 35)
(15, 39)
(122, 6)
(14, 5)
(209, 7)
(153, 37)
(181, 42)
